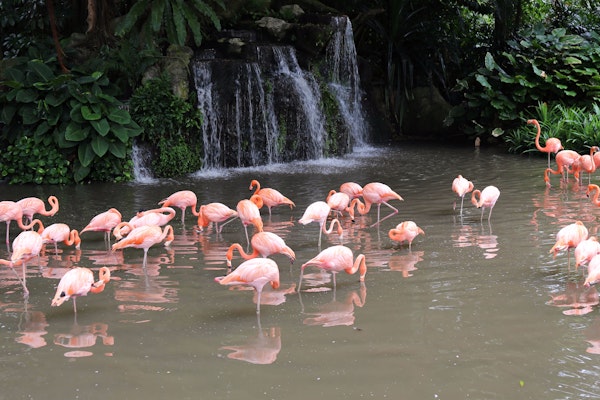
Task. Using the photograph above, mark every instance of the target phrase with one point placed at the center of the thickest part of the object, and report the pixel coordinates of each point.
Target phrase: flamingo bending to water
(377, 193)
(104, 222)
(569, 237)
(78, 282)
(144, 237)
(336, 259)
(405, 231)
(182, 200)
(270, 197)
(60, 232)
(33, 205)
(263, 244)
(218, 213)
(318, 212)
(487, 199)
(564, 160)
(27, 245)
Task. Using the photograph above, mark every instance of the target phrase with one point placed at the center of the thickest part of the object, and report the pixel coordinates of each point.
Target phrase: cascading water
(141, 157)
(344, 77)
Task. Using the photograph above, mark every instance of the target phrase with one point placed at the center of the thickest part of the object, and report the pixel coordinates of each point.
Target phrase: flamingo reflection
(84, 336)
(337, 313)
(32, 327)
(261, 349)
(592, 336)
(577, 298)
(405, 263)
(467, 236)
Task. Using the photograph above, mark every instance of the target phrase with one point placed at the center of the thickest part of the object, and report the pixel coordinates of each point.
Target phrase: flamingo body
(352, 189)
(214, 212)
(263, 244)
(270, 197)
(144, 237)
(486, 198)
(182, 200)
(104, 222)
(33, 205)
(60, 232)
(586, 250)
(552, 145)
(336, 259)
(378, 193)
(569, 237)
(318, 212)
(78, 282)
(461, 186)
(405, 231)
(248, 212)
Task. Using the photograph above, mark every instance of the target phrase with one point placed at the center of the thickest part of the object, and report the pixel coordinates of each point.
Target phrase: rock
(425, 113)
(275, 26)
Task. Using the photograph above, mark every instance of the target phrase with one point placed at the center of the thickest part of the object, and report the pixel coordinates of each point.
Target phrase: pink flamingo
(564, 160)
(78, 282)
(144, 237)
(352, 189)
(340, 202)
(461, 186)
(552, 145)
(248, 212)
(586, 163)
(586, 250)
(263, 244)
(104, 222)
(157, 216)
(594, 190)
(487, 199)
(27, 245)
(336, 259)
(11, 211)
(318, 212)
(569, 237)
(256, 272)
(270, 197)
(182, 200)
(377, 193)
(405, 231)
(33, 205)
(61, 233)
(593, 276)
(217, 213)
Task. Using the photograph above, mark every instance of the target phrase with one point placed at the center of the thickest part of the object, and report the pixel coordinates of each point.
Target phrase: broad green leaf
(118, 149)
(81, 173)
(102, 126)
(86, 154)
(100, 145)
(483, 81)
(119, 116)
(179, 22)
(29, 115)
(135, 12)
(75, 133)
(7, 113)
(489, 61)
(26, 96)
(89, 114)
(42, 70)
(572, 60)
(156, 14)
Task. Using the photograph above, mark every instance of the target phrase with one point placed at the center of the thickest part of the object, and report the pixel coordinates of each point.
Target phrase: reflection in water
(405, 263)
(32, 326)
(577, 298)
(335, 312)
(467, 235)
(260, 349)
(592, 336)
(83, 336)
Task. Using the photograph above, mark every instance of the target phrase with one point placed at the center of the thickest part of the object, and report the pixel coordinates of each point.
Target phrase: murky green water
(475, 310)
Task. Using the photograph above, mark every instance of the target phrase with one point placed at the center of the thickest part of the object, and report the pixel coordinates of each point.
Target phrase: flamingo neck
(331, 225)
(476, 198)
(359, 265)
(256, 184)
(537, 136)
(239, 248)
(168, 234)
(104, 278)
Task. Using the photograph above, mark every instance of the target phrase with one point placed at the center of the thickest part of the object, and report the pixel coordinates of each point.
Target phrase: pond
(475, 309)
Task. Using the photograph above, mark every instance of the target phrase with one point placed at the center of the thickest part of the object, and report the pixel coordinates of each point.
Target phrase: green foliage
(170, 19)
(176, 157)
(26, 162)
(541, 66)
(578, 128)
(75, 112)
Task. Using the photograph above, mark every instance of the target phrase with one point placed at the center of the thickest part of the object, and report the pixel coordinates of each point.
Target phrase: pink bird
(182, 200)
(586, 250)
(487, 199)
(104, 222)
(27, 245)
(78, 282)
(218, 213)
(586, 163)
(144, 237)
(377, 193)
(61, 233)
(564, 160)
(552, 145)
(157, 216)
(33, 205)
(340, 202)
(594, 190)
(11, 211)
(318, 212)
(593, 275)
(270, 197)
(405, 231)
(263, 244)
(256, 272)
(569, 237)
(352, 189)
(461, 186)
(336, 259)
(248, 212)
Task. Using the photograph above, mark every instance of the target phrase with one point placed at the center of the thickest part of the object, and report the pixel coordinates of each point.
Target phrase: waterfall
(141, 158)
(211, 132)
(344, 78)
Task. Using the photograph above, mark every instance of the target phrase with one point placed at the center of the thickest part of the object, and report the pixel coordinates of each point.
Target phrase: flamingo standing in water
(593, 275)
(270, 197)
(594, 191)
(318, 212)
(33, 205)
(248, 211)
(377, 193)
(552, 145)
(78, 282)
(256, 272)
(60, 232)
(217, 213)
(461, 186)
(27, 245)
(487, 199)
(182, 200)
(569, 237)
(405, 231)
(336, 259)
(11, 211)
(586, 250)
(352, 189)
(586, 163)
(263, 244)
(157, 216)
(564, 160)
(104, 222)
(144, 237)
(340, 202)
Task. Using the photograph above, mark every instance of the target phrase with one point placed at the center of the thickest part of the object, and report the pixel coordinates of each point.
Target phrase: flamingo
(78, 282)
(552, 145)
(564, 160)
(217, 213)
(586, 250)
(318, 212)
(593, 276)
(487, 199)
(144, 237)
(340, 202)
(104, 222)
(569, 237)
(182, 200)
(60, 232)
(264, 244)
(157, 216)
(461, 186)
(335, 259)
(33, 205)
(270, 197)
(405, 231)
(27, 245)
(586, 163)
(352, 189)
(256, 272)
(11, 211)
(248, 212)
(377, 193)
(595, 190)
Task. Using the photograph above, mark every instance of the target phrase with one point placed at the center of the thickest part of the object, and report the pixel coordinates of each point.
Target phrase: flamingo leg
(145, 258)
(258, 301)
(394, 212)
(7, 235)
(75, 305)
(25, 290)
